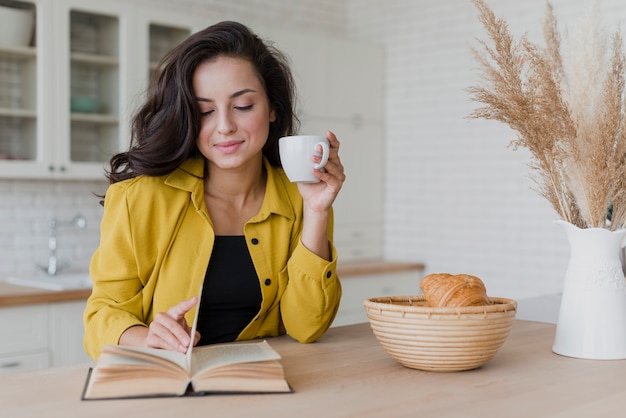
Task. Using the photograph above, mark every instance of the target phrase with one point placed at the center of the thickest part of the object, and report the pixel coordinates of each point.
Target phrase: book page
(217, 355)
(256, 377)
(193, 331)
(142, 354)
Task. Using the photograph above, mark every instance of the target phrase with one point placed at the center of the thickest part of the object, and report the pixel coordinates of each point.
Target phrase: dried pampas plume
(565, 100)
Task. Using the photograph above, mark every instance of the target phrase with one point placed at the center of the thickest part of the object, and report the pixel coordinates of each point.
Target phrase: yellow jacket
(155, 244)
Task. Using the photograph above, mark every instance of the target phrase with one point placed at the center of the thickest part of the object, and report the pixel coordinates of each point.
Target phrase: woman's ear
(272, 115)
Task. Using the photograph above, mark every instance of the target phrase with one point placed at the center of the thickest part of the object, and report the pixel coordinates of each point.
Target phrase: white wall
(457, 197)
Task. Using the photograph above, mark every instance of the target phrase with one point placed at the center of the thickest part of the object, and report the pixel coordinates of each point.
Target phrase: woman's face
(235, 112)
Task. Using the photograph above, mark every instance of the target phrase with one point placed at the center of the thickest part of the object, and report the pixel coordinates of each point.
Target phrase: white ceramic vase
(592, 317)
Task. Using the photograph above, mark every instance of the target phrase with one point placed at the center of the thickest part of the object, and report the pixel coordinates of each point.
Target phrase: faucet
(53, 266)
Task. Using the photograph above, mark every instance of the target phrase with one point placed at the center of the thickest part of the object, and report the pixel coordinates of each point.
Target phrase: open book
(131, 372)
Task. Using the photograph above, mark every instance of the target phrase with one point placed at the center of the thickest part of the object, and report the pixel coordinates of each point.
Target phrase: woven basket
(440, 339)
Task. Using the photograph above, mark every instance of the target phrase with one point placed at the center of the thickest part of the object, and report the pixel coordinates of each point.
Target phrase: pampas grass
(565, 100)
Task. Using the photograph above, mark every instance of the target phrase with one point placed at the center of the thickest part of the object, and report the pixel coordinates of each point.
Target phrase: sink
(59, 282)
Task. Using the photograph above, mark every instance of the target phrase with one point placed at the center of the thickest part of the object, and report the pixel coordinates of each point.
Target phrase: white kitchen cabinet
(41, 335)
(337, 79)
(340, 88)
(358, 287)
(358, 208)
(156, 32)
(92, 68)
(25, 94)
(23, 338)
(65, 333)
(73, 115)
(20, 362)
(79, 83)
(356, 83)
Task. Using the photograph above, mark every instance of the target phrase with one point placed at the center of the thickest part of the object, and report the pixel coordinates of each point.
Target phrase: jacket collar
(190, 177)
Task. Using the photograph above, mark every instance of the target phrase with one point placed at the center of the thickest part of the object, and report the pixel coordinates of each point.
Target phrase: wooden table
(348, 374)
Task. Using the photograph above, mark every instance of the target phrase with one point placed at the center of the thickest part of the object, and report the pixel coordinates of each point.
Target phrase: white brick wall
(26, 208)
(456, 197)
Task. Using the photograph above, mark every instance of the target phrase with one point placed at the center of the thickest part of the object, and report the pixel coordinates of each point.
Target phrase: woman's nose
(226, 124)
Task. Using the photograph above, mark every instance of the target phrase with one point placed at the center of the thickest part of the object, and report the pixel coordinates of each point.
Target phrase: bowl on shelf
(80, 104)
(16, 26)
(440, 339)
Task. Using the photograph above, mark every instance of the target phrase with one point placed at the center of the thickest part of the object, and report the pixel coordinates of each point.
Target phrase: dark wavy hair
(165, 128)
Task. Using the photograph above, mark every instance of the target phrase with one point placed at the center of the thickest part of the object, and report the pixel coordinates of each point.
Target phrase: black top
(231, 296)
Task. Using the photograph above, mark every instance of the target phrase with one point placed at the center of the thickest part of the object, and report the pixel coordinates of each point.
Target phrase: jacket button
(268, 282)
(255, 241)
(328, 274)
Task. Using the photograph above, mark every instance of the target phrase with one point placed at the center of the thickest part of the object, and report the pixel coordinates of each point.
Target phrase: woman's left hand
(320, 196)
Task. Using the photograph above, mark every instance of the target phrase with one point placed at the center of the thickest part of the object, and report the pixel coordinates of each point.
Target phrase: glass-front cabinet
(94, 76)
(158, 32)
(22, 91)
(63, 68)
(71, 77)
(161, 39)
(93, 67)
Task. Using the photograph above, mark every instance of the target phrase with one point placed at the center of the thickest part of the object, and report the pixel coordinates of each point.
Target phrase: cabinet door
(23, 329)
(156, 32)
(358, 207)
(20, 362)
(357, 82)
(340, 88)
(25, 95)
(93, 67)
(335, 78)
(309, 64)
(23, 338)
(66, 333)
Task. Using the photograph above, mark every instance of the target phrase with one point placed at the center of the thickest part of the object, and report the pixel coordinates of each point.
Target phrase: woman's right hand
(168, 331)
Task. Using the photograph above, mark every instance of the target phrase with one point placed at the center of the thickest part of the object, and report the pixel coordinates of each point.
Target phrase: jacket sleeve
(115, 303)
(311, 299)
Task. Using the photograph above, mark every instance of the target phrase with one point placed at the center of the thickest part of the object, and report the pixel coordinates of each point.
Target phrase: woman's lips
(228, 147)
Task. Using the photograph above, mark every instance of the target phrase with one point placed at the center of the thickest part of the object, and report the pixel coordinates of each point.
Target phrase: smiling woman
(200, 201)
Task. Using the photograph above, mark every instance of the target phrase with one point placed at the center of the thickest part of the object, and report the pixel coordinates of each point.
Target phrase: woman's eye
(207, 113)
(243, 107)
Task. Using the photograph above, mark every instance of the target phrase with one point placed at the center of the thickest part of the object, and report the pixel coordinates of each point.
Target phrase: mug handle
(325, 154)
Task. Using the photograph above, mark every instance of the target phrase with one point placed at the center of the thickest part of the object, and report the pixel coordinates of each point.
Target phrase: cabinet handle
(51, 168)
(11, 364)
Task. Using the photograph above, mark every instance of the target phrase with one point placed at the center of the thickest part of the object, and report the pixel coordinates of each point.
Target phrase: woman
(200, 201)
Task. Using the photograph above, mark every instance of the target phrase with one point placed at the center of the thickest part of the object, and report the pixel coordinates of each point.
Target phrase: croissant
(447, 290)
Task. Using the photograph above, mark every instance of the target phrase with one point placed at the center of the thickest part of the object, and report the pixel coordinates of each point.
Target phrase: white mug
(295, 156)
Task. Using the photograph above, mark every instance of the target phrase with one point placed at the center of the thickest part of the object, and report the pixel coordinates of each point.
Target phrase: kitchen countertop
(15, 295)
(347, 373)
